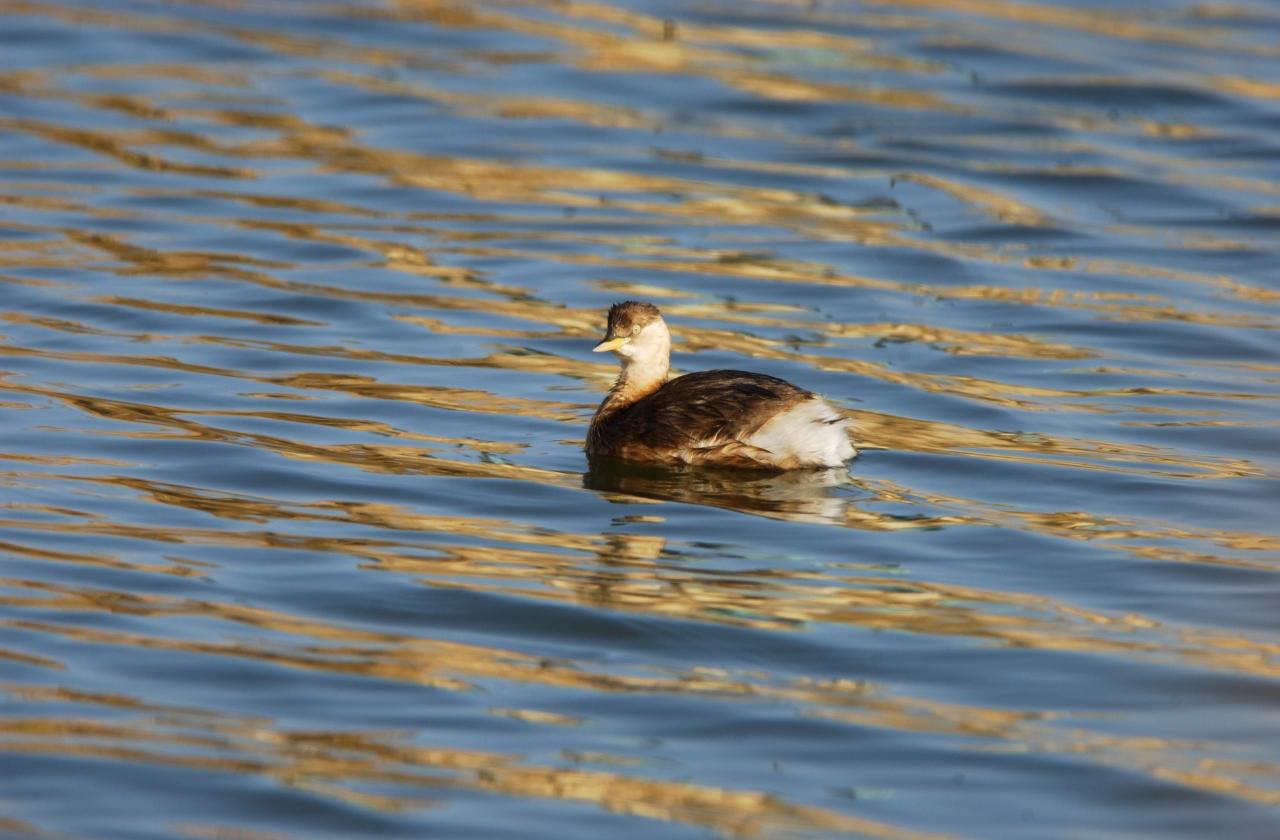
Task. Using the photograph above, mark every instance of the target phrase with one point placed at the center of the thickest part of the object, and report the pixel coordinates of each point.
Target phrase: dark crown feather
(630, 313)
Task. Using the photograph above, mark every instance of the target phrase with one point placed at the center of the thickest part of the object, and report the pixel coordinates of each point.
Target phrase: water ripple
(297, 304)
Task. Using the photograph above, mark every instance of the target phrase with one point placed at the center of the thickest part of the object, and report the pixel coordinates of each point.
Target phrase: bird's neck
(638, 379)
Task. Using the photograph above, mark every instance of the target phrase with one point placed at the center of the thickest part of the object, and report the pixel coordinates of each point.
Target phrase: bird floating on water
(728, 418)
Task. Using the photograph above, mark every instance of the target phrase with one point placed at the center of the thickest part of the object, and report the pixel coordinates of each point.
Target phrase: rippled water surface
(296, 309)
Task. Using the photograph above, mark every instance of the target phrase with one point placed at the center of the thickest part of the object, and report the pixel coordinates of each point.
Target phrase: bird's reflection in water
(800, 495)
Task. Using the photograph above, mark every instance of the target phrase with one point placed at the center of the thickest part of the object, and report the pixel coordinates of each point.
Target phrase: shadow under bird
(728, 418)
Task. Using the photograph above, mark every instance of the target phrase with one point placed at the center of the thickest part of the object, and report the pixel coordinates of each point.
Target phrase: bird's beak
(611, 343)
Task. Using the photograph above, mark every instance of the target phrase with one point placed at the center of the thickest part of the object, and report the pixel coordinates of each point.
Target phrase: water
(298, 302)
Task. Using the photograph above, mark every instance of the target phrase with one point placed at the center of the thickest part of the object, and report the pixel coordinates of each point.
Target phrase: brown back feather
(691, 412)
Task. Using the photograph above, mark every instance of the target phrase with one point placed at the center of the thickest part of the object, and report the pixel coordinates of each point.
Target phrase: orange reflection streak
(961, 342)
(1117, 531)
(655, 46)
(914, 434)
(97, 559)
(206, 311)
(118, 148)
(1118, 25)
(1000, 207)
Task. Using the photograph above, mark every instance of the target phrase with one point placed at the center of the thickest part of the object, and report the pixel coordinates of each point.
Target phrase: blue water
(296, 309)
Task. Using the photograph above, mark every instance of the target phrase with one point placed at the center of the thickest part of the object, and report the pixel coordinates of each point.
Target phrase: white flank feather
(813, 433)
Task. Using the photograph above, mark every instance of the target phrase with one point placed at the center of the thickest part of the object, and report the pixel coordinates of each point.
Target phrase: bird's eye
(635, 330)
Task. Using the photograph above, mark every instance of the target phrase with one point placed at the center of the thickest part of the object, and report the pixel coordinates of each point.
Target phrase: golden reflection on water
(330, 763)
(509, 557)
(452, 666)
(184, 182)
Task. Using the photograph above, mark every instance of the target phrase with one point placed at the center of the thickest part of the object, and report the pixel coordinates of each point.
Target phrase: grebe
(728, 418)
